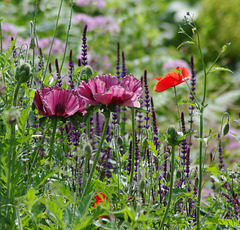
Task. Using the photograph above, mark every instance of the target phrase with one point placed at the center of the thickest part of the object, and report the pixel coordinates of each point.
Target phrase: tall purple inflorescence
(84, 58)
(129, 158)
(192, 93)
(146, 100)
(123, 74)
(71, 71)
(221, 156)
(41, 61)
(185, 149)
(115, 116)
(118, 68)
(59, 81)
(124, 69)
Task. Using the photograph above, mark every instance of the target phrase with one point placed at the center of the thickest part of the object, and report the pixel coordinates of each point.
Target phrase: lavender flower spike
(84, 47)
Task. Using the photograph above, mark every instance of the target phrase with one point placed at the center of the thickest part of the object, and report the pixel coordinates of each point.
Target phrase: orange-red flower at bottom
(99, 199)
(171, 79)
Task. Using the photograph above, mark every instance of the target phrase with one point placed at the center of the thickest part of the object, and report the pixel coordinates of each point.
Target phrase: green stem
(67, 36)
(54, 35)
(107, 117)
(170, 189)
(53, 136)
(200, 170)
(14, 101)
(133, 149)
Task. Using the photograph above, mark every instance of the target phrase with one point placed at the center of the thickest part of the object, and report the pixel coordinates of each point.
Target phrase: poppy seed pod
(23, 73)
(11, 116)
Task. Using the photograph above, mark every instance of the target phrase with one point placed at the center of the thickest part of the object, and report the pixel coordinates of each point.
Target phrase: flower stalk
(107, 116)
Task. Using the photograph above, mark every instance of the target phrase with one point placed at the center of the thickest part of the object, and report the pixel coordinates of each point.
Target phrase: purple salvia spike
(129, 158)
(41, 61)
(118, 68)
(146, 100)
(191, 97)
(59, 81)
(155, 129)
(124, 69)
(71, 71)
(79, 62)
(84, 47)
(221, 156)
(184, 147)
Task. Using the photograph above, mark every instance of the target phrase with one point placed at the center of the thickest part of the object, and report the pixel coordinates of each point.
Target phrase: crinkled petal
(86, 93)
(130, 83)
(109, 80)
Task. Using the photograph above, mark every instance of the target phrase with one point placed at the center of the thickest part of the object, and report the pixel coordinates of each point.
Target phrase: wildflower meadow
(110, 119)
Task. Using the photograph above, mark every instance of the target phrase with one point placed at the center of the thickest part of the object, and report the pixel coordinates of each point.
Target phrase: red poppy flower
(171, 79)
(54, 101)
(99, 199)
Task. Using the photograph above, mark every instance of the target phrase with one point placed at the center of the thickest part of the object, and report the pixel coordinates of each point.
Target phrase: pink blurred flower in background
(54, 101)
(105, 89)
(100, 4)
(105, 23)
(170, 65)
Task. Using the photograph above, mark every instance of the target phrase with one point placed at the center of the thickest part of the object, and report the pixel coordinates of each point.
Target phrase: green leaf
(186, 43)
(22, 120)
(22, 140)
(220, 69)
(186, 102)
(213, 169)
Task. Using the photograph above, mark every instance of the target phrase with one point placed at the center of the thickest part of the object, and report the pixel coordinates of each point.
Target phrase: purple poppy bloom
(105, 89)
(54, 101)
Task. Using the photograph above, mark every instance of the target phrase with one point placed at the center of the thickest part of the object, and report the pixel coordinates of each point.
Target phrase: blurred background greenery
(148, 33)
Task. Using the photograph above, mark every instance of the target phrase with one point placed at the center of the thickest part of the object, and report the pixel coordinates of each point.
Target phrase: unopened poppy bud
(172, 137)
(145, 142)
(87, 150)
(23, 73)
(120, 140)
(86, 72)
(2, 89)
(11, 116)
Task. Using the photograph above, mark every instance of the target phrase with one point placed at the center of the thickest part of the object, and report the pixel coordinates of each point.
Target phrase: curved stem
(107, 116)
(133, 149)
(170, 189)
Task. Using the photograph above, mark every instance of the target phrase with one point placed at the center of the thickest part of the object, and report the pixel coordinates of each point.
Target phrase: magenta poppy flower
(106, 90)
(54, 101)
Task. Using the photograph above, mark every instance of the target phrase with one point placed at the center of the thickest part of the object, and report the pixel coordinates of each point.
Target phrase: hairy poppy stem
(133, 149)
(87, 185)
(175, 92)
(170, 189)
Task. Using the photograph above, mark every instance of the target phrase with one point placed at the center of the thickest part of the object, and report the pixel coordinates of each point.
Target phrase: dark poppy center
(60, 110)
